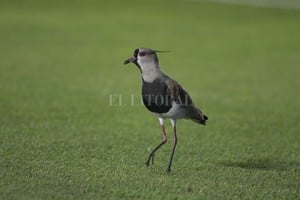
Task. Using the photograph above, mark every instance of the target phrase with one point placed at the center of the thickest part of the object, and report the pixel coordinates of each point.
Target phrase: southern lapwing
(164, 97)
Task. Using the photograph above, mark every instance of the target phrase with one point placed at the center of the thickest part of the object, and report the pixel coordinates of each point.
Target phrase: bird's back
(181, 97)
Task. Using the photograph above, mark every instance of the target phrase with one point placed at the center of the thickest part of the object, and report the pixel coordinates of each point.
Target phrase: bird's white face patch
(144, 58)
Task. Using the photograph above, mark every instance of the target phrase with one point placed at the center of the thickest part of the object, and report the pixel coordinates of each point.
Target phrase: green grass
(60, 139)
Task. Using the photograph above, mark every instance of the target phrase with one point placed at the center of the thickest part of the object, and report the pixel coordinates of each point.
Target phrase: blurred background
(61, 61)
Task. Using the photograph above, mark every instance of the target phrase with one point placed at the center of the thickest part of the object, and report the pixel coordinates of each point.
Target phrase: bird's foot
(150, 160)
(169, 171)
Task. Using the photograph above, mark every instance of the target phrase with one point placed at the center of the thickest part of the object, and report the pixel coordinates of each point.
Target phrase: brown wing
(180, 96)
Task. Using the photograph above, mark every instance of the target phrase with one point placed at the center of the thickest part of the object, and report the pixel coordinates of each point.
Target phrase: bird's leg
(174, 144)
(164, 140)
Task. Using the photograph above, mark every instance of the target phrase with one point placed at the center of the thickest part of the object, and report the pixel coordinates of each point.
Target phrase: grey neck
(150, 71)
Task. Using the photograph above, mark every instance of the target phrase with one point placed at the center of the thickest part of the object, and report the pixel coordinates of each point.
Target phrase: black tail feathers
(196, 115)
(202, 119)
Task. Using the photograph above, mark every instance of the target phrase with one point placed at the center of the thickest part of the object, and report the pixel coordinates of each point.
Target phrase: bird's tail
(202, 120)
(197, 116)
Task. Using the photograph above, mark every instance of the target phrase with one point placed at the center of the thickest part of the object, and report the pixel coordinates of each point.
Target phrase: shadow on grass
(262, 164)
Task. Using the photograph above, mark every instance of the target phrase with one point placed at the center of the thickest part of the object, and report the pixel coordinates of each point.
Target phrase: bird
(164, 97)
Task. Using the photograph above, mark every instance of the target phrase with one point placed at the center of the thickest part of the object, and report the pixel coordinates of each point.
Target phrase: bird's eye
(142, 53)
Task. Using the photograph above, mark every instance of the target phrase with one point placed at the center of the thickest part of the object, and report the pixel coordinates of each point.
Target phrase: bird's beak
(130, 60)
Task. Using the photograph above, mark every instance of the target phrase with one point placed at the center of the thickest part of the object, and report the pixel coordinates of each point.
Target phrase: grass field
(62, 138)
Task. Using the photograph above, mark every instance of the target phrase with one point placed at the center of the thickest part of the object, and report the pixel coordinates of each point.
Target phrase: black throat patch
(155, 96)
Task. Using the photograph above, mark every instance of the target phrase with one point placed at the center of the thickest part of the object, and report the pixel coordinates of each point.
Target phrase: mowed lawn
(72, 125)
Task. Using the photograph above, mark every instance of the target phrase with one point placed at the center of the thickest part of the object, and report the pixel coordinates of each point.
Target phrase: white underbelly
(176, 112)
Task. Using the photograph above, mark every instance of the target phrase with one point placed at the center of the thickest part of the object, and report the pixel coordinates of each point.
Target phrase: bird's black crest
(158, 51)
(136, 51)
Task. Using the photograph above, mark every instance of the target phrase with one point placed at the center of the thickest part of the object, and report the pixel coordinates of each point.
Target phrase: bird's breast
(155, 96)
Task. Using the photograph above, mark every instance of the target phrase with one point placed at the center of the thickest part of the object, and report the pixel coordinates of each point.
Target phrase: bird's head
(143, 56)
(147, 61)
